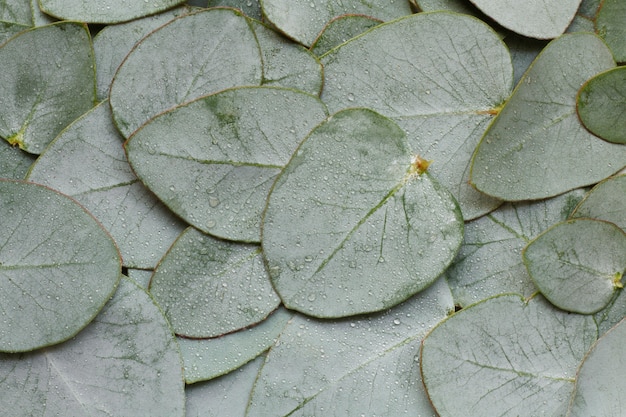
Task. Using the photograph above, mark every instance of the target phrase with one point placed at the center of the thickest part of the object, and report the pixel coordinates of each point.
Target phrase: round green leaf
(442, 88)
(541, 19)
(303, 20)
(206, 359)
(605, 201)
(47, 79)
(578, 265)
(353, 224)
(505, 357)
(193, 55)
(600, 379)
(214, 160)
(107, 11)
(57, 267)
(601, 105)
(125, 363)
(610, 26)
(209, 287)
(98, 176)
(15, 16)
(340, 29)
(537, 147)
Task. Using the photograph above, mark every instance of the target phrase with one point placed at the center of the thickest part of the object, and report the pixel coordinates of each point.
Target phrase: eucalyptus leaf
(341, 29)
(303, 20)
(14, 162)
(360, 366)
(213, 161)
(505, 357)
(589, 8)
(47, 79)
(353, 223)
(191, 56)
(541, 19)
(15, 16)
(533, 147)
(140, 277)
(578, 265)
(251, 8)
(442, 88)
(98, 176)
(125, 363)
(114, 42)
(107, 11)
(599, 380)
(458, 6)
(601, 105)
(206, 359)
(610, 26)
(208, 287)
(51, 286)
(605, 201)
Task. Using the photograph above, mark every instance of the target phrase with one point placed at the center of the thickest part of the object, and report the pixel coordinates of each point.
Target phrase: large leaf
(303, 20)
(360, 366)
(47, 79)
(99, 177)
(505, 357)
(605, 201)
(106, 11)
(125, 363)
(218, 46)
(353, 223)
(208, 287)
(541, 19)
(441, 88)
(490, 262)
(58, 267)
(214, 160)
(578, 265)
(533, 148)
(610, 26)
(599, 383)
(601, 105)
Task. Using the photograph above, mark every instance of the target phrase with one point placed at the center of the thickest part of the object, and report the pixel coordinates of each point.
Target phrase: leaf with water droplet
(505, 357)
(340, 30)
(126, 362)
(610, 26)
(536, 147)
(14, 162)
(208, 287)
(106, 11)
(47, 79)
(98, 176)
(175, 64)
(213, 161)
(605, 201)
(601, 105)
(442, 88)
(578, 264)
(57, 267)
(15, 16)
(352, 225)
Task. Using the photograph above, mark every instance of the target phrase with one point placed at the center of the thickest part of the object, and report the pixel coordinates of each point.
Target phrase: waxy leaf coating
(58, 267)
(104, 11)
(352, 224)
(610, 26)
(605, 201)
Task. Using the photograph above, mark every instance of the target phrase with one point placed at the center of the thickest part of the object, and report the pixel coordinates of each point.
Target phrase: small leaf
(208, 287)
(610, 26)
(351, 226)
(536, 146)
(605, 201)
(601, 105)
(600, 378)
(540, 19)
(340, 29)
(125, 363)
(505, 357)
(213, 161)
(180, 61)
(58, 267)
(47, 80)
(206, 359)
(303, 20)
(578, 265)
(105, 11)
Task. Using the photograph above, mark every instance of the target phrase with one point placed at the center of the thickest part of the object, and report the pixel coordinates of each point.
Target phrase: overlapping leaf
(15, 16)
(353, 224)
(51, 286)
(107, 11)
(605, 201)
(340, 30)
(610, 26)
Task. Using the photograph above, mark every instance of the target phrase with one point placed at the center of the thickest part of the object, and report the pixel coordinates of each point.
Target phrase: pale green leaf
(536, 146)
(14, 162)
(15, 16)
(605, 201)
(251, 8)
(125, 363)
(51, 285)
(340, 30)
(458, 6)
(104, 11)
(505, 357)
(610, 26)
(353, 223)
